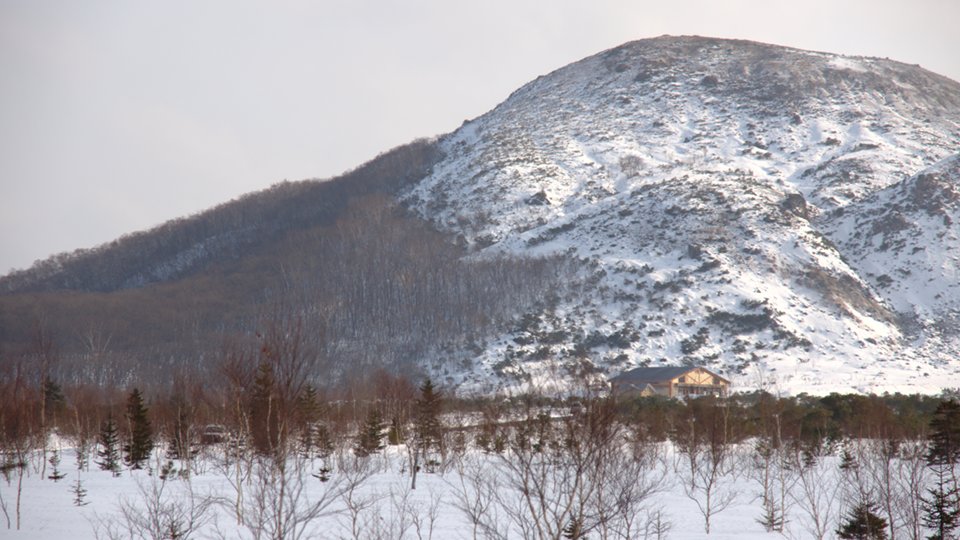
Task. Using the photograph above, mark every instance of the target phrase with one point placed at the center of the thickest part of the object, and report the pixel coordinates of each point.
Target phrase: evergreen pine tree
(81, 456)
(395, 432)
(847, 461)
(370, 438)
(941, 506)
(862, 523)
(323, 473)
(308, 405)
(324, 441)
(109, 441)
(168, 470)
(264, 413)
(140, 442)
(427, 426)
(54, 460)
(79, 493)
(309, 411)
(54, 401)
(573, 530)
(945, 434)
(773, 517)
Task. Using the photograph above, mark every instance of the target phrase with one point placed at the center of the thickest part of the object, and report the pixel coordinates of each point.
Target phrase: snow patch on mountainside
(719, 194)
(905, 240)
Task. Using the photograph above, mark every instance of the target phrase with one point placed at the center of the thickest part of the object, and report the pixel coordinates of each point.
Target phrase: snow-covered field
(382, 505)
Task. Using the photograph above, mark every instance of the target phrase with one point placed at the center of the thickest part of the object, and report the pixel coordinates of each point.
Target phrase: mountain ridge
(180, 247)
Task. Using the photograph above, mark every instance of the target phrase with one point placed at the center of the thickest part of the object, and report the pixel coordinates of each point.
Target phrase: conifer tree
(370, 438)
(324, 444)
(945, 433)
(264, 412)
(324, 439)
(140, 441)
(308, 412)
(79, 493)
(941, 506)
(81, 456)
(429, 431)
(54, 460)
(54, 401)
(168, 470)
(109, 441)
(863, 524)
(308, 405)
(573, 530)
(395, 432)
(847, 461)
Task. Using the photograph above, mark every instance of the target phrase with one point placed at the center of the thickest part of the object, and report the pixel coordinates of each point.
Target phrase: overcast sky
(118, 115)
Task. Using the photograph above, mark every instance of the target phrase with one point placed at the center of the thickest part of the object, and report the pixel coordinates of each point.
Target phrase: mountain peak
(777, 79)
(700, 181)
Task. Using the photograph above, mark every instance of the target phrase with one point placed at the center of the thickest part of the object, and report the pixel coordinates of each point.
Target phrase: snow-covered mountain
(785, 217)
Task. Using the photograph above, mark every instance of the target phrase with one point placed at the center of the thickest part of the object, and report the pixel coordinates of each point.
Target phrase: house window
(716, 381)
(682, 380)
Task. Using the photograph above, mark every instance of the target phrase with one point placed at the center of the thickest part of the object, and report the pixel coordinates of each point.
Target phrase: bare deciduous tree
(910, 480)
(19, 434)
(815, 495)
(162, 510)
(882, 466)
(424, 516)
(656, 525)
(572, 476)
(474, 493)
(707, 458)
(359, 507)
(279, 504)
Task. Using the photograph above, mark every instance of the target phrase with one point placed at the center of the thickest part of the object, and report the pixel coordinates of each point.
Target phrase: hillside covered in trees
(369, 285)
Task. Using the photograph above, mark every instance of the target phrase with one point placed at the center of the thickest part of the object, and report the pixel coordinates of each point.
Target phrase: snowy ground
(383, 500)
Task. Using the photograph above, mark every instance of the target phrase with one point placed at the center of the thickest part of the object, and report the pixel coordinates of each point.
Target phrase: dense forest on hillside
(374, 289)
(183, 246)
(366, 284)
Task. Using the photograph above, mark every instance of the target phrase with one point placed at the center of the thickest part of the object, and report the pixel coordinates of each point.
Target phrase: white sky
(118, 115)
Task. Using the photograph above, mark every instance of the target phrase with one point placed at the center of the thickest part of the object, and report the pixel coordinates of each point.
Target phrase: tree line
(585, 466)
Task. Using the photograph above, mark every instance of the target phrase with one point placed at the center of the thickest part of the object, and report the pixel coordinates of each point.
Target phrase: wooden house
(674, 382)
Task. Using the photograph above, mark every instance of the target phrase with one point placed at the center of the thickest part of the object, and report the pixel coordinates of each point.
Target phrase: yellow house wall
(698, 376)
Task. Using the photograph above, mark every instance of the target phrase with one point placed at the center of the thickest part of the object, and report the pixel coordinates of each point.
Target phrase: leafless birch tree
(706, 460)
(161, 510)
(815, 495)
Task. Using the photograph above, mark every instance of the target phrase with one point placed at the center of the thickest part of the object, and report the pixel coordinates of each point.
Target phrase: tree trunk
(413, 470)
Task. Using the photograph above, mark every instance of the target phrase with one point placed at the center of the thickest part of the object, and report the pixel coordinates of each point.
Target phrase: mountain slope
(714, 190)
(905, 241)
(367, 285)
(183, 247)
